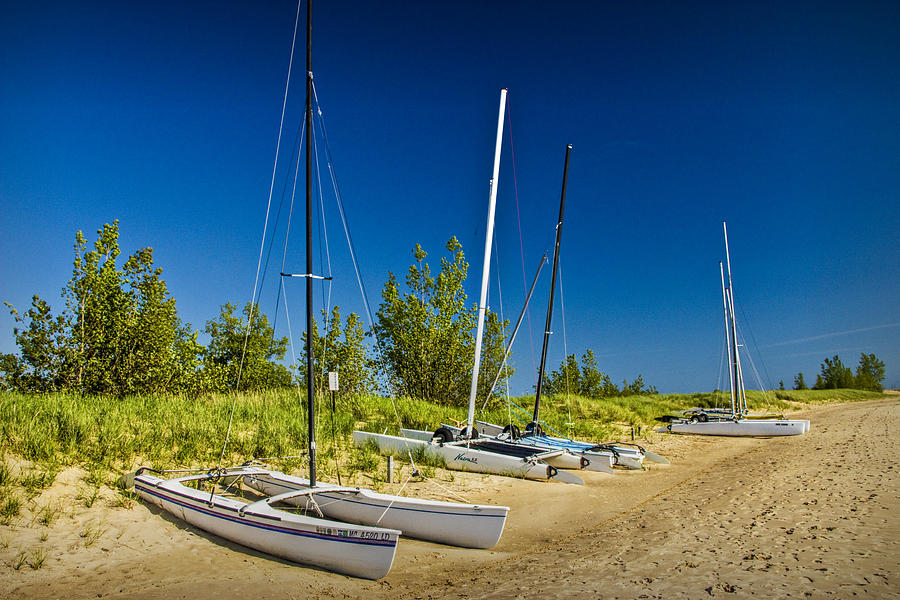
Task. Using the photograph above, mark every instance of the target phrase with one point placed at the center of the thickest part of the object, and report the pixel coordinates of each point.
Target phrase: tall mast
(488, 241)
(562, 206)
(310, 386)
(728, 338)
(512, 338)
(738, 376)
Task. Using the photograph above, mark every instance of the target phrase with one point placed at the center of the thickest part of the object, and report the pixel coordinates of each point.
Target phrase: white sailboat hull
(355, 550)
(740, 427)
(569, 459)
(628, 457)
(454, 523)
(463, 458)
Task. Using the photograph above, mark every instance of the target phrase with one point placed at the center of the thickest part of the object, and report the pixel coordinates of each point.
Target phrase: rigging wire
(755, 345)
(512, 152)
(562, 309)
(353, 255)
(718, 394)
(298, 143)
(265, 229)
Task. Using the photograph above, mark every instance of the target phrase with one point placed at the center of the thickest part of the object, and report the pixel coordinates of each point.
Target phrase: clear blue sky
(781, 118)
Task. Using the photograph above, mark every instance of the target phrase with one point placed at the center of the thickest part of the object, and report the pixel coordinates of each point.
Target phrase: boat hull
(463, 458)
(628, 457)
(366, 552)
(740, 427)
(453, 523)
(570, 459)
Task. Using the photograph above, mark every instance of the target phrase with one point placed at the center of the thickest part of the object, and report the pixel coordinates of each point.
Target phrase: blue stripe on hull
(245, 522)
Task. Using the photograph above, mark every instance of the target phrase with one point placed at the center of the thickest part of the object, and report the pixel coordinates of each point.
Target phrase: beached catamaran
(352, 549)
(594, 457)
(467, 452)
(737, 421)
(352, 530)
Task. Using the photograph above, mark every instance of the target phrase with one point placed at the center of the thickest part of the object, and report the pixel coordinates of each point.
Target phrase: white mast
(738, 375)
(728, 339)
(488, 241)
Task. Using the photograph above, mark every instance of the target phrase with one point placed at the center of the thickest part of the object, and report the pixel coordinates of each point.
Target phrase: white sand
(805, 516)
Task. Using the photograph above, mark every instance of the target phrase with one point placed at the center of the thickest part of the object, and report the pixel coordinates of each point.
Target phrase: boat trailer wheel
(513, 432)
(443, 435)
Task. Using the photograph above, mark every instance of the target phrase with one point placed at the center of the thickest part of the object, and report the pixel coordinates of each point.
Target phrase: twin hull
(741, 427)
(628, 457)
(464, 458)
(356, 550)
(454, 523)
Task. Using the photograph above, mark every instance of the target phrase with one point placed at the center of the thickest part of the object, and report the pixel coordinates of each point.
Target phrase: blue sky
(781, 118)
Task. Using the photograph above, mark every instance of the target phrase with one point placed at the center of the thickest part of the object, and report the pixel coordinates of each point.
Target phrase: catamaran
(737, 421)
(594, 457)
(352, 530)
(468, 452)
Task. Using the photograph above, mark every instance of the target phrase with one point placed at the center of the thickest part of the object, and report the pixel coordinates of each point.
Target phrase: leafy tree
(869, 373)
(119, 334)
(799, 383)
(238, 360)
(637, 387)
(595, 383)
(565, 379)
(425, 336)
(781, 384)
(342, 350)
(834, 375)
(587, 380)
(43, 347)
(126, 336)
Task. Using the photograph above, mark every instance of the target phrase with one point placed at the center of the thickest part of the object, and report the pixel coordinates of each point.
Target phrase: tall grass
(116, 434)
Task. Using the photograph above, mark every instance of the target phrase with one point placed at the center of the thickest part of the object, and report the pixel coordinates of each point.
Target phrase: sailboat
(737, 421)
(356, 550)
(599, 457)
(353, 531)
(468, 452)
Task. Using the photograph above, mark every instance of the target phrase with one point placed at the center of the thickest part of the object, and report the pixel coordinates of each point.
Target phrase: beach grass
(106, 436)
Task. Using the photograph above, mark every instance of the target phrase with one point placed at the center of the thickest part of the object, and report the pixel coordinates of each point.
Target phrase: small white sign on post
(332, 381)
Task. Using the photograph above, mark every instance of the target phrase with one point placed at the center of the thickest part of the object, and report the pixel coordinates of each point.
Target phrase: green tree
(341, 349)
(595, 383)
(126, 336)
(799, 383)
(637, 387)
(834, 375)
(869, 373)
(242, 353)
(425, 336)
(566, 379)
(119, 334)
(44, 350)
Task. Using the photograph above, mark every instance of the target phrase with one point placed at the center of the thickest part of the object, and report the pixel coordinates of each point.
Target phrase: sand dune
(805, 516)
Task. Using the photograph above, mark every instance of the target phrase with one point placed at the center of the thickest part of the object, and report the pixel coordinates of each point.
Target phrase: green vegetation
(222, 366)
(425, 336)
(106, 436)
(119, 335)
(587, 380)
(834, 375)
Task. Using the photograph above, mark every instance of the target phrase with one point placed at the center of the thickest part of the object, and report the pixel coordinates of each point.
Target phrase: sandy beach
(805, 516)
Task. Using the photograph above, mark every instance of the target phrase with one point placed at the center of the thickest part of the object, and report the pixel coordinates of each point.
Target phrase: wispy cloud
(832, 334)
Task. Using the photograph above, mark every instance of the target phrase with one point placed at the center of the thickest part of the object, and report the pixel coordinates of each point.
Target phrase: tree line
(120, 334)
(587, 380)
(834, 375)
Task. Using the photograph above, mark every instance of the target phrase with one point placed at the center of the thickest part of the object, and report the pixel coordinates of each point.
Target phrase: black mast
(310, 386)
(540, 381)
